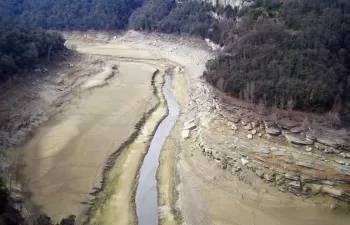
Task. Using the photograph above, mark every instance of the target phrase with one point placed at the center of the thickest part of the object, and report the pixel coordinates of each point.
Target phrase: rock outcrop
(288, 153)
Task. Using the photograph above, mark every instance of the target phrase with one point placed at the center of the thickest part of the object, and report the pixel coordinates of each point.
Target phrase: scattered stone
(315, 188)
(250, 136)
(332, 191)
(259, 134)
(189, 125)
(244, 122)
(185, 134)
(255, 124)
(308, 149)
(279, 179)
(295, 184)
(340, 162)
(248, 126)
(235, 120)
(236, 169)
(275, 131)
(306, 190)
(345, 155)
(234, 127)
(310, 136)
(292, 177)
(287, 123)
(269, 177)
(328, 150)
(260, 173)
(334, 206)
(244, 161)
(298, 139)
(296, 130)
(283, 189)
(253, 131)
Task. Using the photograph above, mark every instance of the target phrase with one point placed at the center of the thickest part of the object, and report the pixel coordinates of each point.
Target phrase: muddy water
(146, 195)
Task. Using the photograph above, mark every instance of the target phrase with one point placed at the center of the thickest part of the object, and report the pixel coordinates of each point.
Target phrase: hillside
(287, 54)
(21, 48)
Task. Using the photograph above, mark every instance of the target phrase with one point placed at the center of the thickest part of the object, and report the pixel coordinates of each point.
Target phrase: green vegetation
(73, 15)
(167, 16)
(21, 47)
(287, 54)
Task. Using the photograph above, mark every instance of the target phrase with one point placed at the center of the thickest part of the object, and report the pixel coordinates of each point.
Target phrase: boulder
(287, 123)
(295, 184)
(310, 136)
(185, 134)
(308, 149)
(255, 124)
(244, 161)
(190, 125)
(234, 127)
(253, 131)
(345, 155)
(236, 169)
(279, 179)
(292, 176)
(248, 126)
(298, 139)
(315, 188)
(296, 130)
(275, 131)
(332, 191)
(260, 173)
(250, 136)
(269, 177)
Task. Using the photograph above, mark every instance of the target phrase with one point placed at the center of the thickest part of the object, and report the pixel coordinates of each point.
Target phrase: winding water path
(146, 194)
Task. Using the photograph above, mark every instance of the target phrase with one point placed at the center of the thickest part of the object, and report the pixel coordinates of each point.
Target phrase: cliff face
(233, 3)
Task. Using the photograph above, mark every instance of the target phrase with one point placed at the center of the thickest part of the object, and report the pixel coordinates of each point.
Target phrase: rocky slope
(296, 153)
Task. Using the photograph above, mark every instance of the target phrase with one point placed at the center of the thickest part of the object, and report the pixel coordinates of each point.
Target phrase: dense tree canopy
(168, 16)
(73, 15)
(22, 47)
(287, 51)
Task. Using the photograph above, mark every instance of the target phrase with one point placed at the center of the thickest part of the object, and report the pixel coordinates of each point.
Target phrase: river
(146, 195)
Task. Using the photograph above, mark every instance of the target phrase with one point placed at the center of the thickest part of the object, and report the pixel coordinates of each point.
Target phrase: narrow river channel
(146, 194)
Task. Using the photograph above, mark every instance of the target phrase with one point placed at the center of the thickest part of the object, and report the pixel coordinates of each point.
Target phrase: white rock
(250, 136)
(189, 125)
(185, 134)
(308, 149)
(234, 127)
(244, 161)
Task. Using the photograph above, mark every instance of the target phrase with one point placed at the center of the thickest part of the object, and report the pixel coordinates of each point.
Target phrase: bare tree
(290, 106)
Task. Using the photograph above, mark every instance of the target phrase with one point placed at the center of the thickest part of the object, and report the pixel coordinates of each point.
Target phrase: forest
(286, 54)
(22, 47)
(282, 53)
(72, 15)
(167, 16)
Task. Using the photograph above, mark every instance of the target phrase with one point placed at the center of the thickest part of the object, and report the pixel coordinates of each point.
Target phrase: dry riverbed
(91, 138)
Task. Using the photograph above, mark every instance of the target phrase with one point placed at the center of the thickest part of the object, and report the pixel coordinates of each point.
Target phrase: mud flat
(62, 163)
